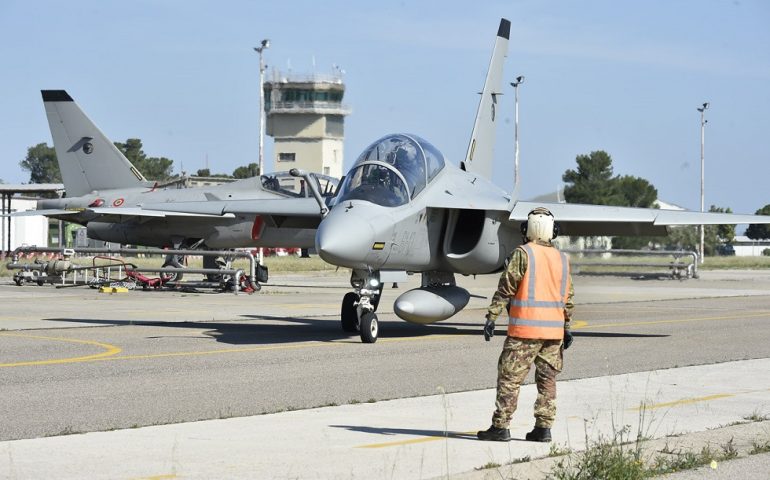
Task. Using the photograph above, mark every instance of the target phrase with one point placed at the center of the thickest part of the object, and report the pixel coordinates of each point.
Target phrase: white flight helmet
(540, 225)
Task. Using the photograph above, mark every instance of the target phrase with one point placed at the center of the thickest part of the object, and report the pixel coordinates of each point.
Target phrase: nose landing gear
(359, 307)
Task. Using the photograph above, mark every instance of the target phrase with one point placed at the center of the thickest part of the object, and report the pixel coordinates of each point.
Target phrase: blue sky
(625, 77)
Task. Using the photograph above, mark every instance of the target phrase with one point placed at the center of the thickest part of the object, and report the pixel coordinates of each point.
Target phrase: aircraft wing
(579, 219)
(48, 212)
(142, 212)
(302, 207)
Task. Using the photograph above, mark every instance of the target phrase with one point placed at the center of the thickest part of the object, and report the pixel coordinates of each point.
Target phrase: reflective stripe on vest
(537, 309)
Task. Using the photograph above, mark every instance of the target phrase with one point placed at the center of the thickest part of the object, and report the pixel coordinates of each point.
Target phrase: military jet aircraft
(404, 208)
(108, 195)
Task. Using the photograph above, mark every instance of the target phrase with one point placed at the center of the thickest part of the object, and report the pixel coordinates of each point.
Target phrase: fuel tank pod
(426, 305)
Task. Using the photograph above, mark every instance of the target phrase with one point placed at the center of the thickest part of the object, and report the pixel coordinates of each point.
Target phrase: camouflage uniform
(519, 353)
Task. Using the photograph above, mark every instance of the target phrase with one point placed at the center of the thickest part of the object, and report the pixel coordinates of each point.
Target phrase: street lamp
(703, 122)
(515, 85)
(263, 45)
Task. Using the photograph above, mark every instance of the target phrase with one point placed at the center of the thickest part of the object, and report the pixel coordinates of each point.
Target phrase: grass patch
(759, 447)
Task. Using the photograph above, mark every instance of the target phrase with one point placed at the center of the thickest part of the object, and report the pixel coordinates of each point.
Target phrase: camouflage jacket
(509, 283)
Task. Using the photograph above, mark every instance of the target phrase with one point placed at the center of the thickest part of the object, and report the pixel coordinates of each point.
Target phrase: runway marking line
(684, 401)
(110, 350)
(431, 438)
(584, 324)
(158, 477)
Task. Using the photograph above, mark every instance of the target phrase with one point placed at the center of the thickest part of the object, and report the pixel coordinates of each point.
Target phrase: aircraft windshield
(416, 160)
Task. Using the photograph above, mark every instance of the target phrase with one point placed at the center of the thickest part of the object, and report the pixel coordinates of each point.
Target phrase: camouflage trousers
(512, 369)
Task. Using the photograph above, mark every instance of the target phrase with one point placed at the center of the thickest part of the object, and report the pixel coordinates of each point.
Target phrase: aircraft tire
(369, 327)
(348, 315)
(176, 261)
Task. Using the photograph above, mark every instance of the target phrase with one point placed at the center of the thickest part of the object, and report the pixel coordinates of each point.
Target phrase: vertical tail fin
(480, 153)
(88, 160)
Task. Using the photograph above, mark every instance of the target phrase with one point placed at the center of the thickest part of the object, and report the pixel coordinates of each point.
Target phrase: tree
(245, 171)
(688, 237)
(153, 168)
(634, 192)
(203, 172)
(723, 233)
(592, 181)
(41, 164)
(758, 231)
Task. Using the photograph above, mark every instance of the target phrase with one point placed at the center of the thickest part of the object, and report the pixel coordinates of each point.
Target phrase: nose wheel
(358, 308)
(370, 327)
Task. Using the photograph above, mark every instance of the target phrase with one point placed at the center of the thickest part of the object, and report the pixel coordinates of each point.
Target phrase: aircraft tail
(88, 160)
(480, 153)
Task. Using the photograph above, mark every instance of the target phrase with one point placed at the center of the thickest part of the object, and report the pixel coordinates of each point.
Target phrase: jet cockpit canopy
(392, 170)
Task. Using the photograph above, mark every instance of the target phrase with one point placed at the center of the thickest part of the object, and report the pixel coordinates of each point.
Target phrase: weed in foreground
(760, 447)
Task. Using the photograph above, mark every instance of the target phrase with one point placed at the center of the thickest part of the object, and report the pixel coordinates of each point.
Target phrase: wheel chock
(113, 290)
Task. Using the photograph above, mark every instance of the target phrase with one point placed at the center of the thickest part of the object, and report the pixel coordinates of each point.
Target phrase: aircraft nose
(345, 238)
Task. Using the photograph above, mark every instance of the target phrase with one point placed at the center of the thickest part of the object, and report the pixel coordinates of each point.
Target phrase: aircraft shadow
(292, 329)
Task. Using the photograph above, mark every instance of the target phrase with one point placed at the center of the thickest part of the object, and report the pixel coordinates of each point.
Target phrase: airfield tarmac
(74, 360)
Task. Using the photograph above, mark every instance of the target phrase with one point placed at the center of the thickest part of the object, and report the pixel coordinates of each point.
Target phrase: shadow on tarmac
(408, 431)
(292, 329)
(616, 335)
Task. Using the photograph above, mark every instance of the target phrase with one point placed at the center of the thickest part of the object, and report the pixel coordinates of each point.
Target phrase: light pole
(703, 122)
(515, 85)
(264, 44)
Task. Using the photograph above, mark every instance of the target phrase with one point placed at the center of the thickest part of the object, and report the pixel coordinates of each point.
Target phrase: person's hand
(489, 329)
(567, 338)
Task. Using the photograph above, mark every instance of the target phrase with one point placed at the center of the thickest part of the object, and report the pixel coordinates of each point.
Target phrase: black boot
(494, 434)
(539, 434)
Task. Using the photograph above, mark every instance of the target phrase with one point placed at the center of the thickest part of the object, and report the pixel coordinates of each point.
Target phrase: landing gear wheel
(348, 315)
(369, 327)
(175, 261)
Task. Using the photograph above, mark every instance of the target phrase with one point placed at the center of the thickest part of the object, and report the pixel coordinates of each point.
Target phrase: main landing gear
(359, 307)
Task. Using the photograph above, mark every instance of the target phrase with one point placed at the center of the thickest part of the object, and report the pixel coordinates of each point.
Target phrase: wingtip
(505, 28)
(56, 96)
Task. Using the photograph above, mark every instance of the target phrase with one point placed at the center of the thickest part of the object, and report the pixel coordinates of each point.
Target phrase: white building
(746, 247)
(24, 231)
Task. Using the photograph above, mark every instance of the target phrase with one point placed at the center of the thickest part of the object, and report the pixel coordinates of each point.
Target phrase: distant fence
(683, 264)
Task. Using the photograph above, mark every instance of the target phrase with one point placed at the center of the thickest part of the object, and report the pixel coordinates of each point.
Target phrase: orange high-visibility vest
(537, 309)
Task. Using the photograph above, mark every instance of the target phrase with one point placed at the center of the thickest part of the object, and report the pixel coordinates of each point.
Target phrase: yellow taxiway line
(110, 350)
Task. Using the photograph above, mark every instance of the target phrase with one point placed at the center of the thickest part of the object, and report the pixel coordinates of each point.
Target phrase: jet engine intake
(426, 305)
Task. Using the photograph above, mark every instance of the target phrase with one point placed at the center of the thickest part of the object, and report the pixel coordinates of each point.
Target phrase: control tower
(305, 117)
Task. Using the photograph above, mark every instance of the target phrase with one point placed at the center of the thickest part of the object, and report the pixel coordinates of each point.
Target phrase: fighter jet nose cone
(344, 238)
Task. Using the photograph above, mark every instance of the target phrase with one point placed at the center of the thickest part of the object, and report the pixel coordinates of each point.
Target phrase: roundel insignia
(88, 147)
(118, 202)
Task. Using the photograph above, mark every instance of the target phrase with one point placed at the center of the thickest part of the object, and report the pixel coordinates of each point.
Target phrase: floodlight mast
(263, 45)
(703, 122)
(515, 84)
(260, 159)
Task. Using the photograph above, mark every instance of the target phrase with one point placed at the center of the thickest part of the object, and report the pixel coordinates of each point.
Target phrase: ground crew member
(536, 290)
